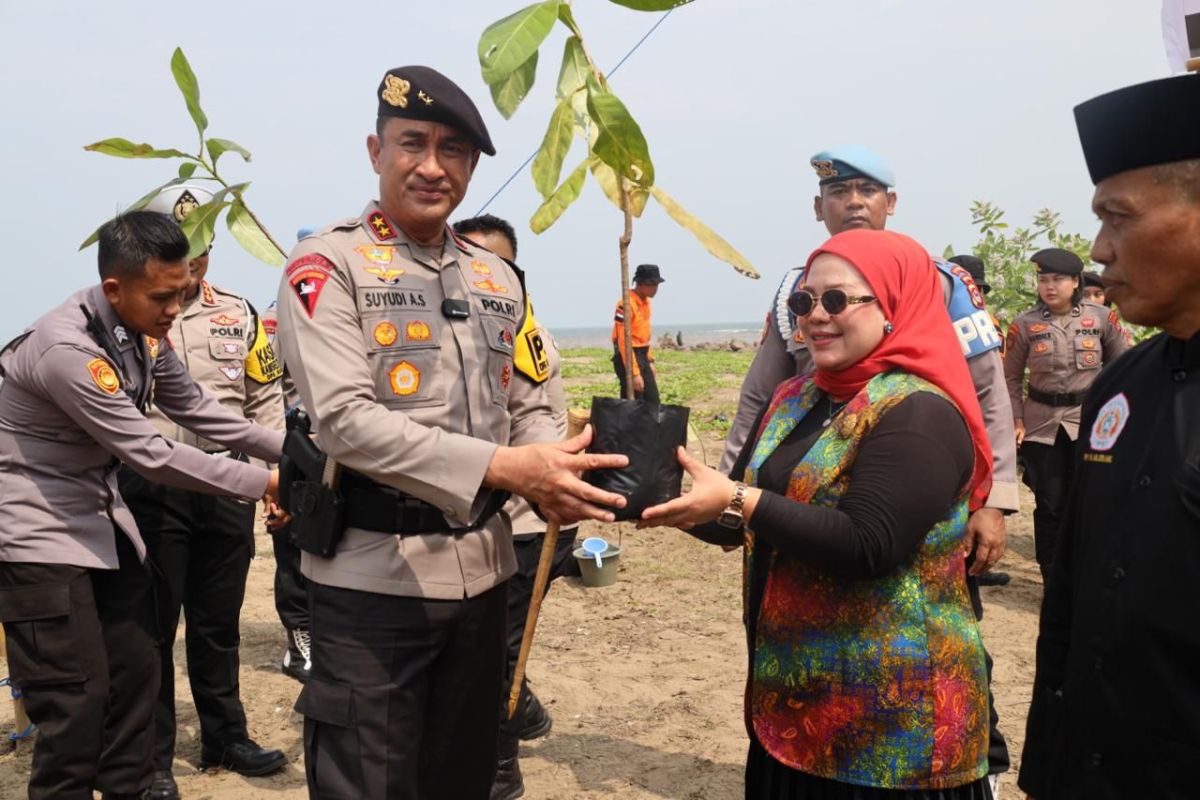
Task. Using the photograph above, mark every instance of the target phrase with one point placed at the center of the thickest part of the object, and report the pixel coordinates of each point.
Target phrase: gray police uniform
(74, 596)
(403, 357)
(200, 544)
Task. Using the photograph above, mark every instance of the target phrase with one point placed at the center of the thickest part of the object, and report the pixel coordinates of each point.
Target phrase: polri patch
(385, 334)
(224, 319)
(1111, 420)
(307, 276)
(417, 331)
(104, 376)
(490, 285)
(405, 379)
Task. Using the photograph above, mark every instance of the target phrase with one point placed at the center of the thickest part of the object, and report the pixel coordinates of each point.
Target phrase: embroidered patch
(1090, 359)
(395, 91)
(1111, 420)
(388, 276)
(307, 276)
(385, 334)
(405, 379)
(1041, 347)
(825, 169)
(480, 268)
(120, 334)
(505, 338)
(1036, 327)
(1088, 344)
(490, 285)
(206, 294)
(233, 373)
(152, 347)
(380, 227)
(505, 376)
(1088, 322)
(969, 282)
(417, 331)
(376, 254)
(224, 319)
(104, 376)
(233, 348)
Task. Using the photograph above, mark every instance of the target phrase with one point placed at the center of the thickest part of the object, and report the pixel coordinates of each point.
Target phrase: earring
(888, 327)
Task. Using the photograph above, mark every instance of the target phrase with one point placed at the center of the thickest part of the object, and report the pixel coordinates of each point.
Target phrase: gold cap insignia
(426, 99)
(825, 169)
(186, 204)
(395, 92)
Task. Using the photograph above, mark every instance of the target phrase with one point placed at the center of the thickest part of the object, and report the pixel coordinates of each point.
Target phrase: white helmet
(179, 201)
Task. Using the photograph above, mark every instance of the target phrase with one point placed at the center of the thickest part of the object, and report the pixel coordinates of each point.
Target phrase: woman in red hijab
(867, 672)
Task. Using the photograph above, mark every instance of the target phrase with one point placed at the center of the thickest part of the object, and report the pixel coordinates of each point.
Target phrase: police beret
(1090, 279)
(851, 161)
(1140, 126)
(426, 94)
(179, 201)
(1057, 260)
(974, 267)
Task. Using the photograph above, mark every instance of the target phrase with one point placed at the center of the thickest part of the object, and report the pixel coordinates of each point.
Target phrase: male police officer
(855, 192)
(646, 279)
(400, 337)
(201, 545)
(74, 595)
(1116, 697)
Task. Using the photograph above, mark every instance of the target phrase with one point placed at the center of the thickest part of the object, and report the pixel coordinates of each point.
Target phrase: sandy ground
(644, 679)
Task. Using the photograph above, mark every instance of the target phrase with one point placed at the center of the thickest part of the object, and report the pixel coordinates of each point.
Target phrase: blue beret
(306, 231)
(851, 161)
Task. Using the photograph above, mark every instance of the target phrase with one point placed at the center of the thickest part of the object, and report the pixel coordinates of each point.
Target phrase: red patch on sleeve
(307, 276)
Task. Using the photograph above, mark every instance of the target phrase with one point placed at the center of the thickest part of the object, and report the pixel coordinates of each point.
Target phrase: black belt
(1057, 399)
(374, 507)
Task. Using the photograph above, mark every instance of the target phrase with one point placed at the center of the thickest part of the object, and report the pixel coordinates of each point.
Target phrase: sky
(965, 100)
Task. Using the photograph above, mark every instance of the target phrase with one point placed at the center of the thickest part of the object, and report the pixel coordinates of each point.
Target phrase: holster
(317, 510)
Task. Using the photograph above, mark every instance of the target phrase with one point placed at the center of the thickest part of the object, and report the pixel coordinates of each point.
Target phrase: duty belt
(1057, 399)
(374, 507)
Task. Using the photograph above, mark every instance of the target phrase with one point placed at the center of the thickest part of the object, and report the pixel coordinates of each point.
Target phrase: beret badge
(395, 92)
(825, 169)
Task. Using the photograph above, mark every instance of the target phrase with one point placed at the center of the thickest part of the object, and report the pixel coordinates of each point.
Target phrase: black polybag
(649, 434)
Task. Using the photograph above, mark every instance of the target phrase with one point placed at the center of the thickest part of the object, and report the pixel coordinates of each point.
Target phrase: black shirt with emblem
(1116, 698)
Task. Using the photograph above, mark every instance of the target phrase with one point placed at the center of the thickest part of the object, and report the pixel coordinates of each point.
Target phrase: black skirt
(767, 779)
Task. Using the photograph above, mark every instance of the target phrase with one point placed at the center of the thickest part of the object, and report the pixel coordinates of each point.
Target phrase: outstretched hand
(710, 494)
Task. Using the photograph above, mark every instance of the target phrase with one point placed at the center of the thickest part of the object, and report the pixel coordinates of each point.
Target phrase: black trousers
(291, 587)
(404, 697)
(199, 547)
(642, 354)
(520, 596)
(83, 648)
(1048, 472)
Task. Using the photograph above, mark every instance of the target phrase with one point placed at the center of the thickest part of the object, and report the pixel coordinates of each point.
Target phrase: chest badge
(1111, 420)
(376, 254)
(490, 285)
(152, 347)
(1038, 327)
(233, 373)
(417, 331)
(385, 334)
(405, 379)
(224, 319)
(480, 268)
(389, 276)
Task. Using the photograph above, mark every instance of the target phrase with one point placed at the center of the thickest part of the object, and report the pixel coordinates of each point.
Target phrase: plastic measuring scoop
(594, 546)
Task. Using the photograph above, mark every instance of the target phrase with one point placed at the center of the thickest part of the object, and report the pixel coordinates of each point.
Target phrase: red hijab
(908, 287)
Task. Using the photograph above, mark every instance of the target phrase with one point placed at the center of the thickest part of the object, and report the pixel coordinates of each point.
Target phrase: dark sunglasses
(834, 301)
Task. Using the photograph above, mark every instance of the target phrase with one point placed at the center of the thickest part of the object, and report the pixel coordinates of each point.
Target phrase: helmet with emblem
(179, 201)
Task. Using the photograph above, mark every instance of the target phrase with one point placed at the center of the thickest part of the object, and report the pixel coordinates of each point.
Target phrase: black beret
(974, 267)
(1090, 279)
(1057, 260)
(1140, 126)
(426, 94)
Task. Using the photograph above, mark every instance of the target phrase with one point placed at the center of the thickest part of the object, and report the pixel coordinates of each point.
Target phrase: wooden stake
(576, 420)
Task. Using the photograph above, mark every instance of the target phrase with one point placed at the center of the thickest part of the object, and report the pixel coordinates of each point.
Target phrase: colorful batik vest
(870, 681)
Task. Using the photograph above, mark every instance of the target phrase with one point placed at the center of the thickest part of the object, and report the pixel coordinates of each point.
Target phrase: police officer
(536, 346)
(978, 271)
(1063, 341)
(1116, 697)
(855, 191)
(75, 597)
(646, 279)
(400, 338)
(201, 545)
(1093, 288)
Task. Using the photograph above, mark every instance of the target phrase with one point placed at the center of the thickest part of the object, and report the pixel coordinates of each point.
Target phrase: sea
(691, 334)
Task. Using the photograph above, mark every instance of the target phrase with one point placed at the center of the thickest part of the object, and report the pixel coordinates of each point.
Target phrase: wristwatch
(732, 517)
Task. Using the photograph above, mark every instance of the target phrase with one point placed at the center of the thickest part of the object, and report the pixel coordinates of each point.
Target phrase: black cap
(426, 94)
(648, 273)
(974, 267)
(1090, 279)
(1140, 126)
(1057, 260)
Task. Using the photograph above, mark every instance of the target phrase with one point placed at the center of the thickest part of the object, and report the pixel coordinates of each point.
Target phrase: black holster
(317, 510)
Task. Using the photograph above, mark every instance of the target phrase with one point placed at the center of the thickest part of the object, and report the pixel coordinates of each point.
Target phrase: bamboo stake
(576, 420)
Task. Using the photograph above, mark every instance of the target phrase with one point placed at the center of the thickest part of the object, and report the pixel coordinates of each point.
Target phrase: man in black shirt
(1116, 699)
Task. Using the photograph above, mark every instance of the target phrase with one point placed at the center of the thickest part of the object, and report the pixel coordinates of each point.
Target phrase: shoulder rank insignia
(206, 294)
(104, 376)
(380, 227)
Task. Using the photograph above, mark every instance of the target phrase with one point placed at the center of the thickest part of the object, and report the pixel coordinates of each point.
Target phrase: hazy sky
(966, 100)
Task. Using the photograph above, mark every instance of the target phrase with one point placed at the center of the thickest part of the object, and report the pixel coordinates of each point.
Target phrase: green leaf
(187, 170)
(200, 225)
(706, 235)
(185, 79)
(507, 44)
(549, 212)
(250, 236)
(218, 146)
(574, 72)
(607, 179)
(123, 148)
(651, 5)
(508, 93)
(619, 142)
(547, 164)
(567, 18)
(137, 205)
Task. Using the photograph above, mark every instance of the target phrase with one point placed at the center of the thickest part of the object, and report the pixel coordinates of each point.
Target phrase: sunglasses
(834, 301)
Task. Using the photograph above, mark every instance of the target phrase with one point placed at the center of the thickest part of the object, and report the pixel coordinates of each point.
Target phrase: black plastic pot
(649, 434)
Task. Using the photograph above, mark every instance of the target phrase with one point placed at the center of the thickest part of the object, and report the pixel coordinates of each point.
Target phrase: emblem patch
(1037, 327)
(405, 379)
(505, 376)
(824, 169)
(307, 276)
(388, 276)
(120, 334)
(104, 376)
(233, 348)
(480, 268)
(1088, 344)
(206, 294)
(376, 254)
(386, 334)
(1088, 322)
(969, 282)
(490, 285)
(152, 347)
(381, 227)
(233, 373)
(417, 331)
(224, 319)
(505, 338)
(1090, 359)
(1041, 347)
(1111, 420)
(395, 91)
(186, 204)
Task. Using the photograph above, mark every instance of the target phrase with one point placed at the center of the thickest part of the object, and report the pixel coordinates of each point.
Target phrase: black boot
(535, 719)
(508, 784)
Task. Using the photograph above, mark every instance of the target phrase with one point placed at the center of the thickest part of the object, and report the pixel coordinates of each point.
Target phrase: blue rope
(17, 736)
(611, 72)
